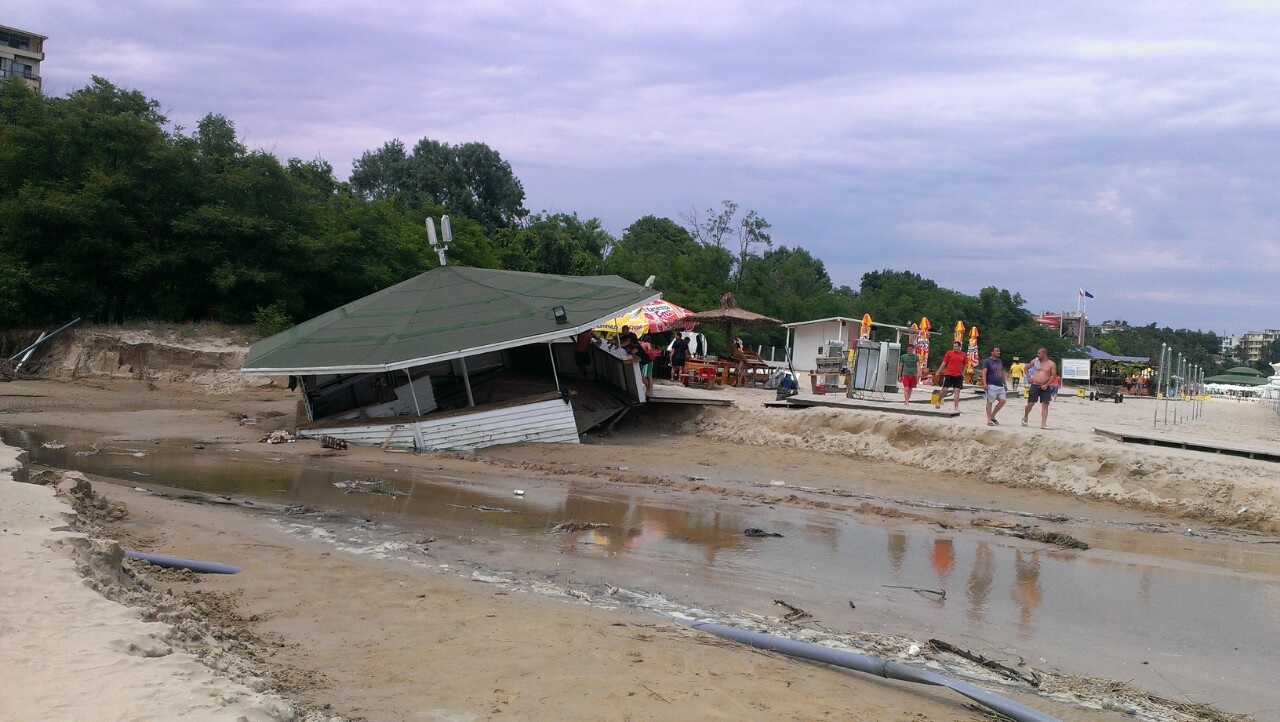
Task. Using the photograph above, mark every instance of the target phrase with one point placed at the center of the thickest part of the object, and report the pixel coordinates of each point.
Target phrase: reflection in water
(897, 550)
(943, 558)
(695, 550)
(1026, 589)
(636, 525)
(980, 579)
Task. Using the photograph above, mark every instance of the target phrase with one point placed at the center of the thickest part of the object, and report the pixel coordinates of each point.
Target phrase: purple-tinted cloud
(1132, 149)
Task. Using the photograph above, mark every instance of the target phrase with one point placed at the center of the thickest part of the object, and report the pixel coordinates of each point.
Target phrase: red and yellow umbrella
(653, 317)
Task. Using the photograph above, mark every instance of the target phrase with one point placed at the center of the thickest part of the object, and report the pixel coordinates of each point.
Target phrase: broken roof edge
(567, 333)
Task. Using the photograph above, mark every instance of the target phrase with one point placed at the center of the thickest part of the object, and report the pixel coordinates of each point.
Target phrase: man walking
(908, 369)
(952, 370)
(993, 384)
(1038, 387)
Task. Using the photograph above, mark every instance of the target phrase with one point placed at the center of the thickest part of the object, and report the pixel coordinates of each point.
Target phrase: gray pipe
(874, 665)
(42, 339)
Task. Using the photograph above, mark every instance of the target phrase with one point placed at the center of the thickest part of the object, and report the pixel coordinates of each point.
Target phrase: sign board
(1075, 369)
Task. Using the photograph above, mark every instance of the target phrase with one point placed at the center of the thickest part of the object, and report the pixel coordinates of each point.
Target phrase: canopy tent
(1098, 354)
(446, 313)
(729, 315)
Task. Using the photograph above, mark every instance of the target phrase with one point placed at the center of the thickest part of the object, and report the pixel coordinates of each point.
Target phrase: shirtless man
(1038, 387)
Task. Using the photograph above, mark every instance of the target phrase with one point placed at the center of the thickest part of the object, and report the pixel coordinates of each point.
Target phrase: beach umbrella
(729, 315)
(653, 317)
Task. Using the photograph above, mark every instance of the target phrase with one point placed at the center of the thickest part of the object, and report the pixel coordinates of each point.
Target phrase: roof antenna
(446, 233)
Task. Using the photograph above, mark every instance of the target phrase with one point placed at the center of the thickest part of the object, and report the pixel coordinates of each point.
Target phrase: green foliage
(554, 243)
(272, 319)
(903, 298)
(687, 273)
(1270, 354)
(1201, 348)
(470, 179)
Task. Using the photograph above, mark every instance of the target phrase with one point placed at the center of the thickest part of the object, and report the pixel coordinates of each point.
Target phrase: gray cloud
(1131, 149)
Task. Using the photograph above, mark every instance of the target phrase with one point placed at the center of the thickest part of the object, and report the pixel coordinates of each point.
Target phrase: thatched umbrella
(730, 315)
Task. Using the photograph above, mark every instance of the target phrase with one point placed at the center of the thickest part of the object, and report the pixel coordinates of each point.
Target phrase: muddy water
(1185, 617)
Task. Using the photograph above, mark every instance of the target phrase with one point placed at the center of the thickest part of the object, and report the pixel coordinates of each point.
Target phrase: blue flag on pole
(1085, 294)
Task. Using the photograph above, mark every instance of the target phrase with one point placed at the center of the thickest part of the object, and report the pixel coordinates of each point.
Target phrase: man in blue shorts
(1038, 387)
(993, 384)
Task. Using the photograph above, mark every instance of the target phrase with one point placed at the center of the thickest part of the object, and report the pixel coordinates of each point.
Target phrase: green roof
(1244, 371)
(446, 313)
(1237, 379)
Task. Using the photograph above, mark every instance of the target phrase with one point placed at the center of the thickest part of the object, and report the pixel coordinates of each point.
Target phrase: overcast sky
(1128, 148)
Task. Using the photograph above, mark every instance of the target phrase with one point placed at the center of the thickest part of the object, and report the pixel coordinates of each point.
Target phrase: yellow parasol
(653, 317)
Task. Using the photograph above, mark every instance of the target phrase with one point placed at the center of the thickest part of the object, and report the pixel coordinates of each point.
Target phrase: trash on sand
(567, 526)
(794, 613)
(939, 593)
(369, 486)
(519, 492)
(333, 442)
(913, 650)
(279, 436)
(53, 445)
(752, 531)
(777, 482)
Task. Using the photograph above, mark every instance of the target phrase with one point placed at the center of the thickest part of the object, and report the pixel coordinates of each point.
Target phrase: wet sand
(373, 639)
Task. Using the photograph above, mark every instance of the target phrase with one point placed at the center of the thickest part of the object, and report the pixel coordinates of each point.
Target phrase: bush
(270, 320)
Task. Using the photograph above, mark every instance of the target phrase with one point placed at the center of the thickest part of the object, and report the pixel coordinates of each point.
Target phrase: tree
(554, 243)
(688, 273)
(470, 179)
(712, 229)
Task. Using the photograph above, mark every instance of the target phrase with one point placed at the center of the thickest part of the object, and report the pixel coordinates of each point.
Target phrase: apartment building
(1252, 342)
(20, 55)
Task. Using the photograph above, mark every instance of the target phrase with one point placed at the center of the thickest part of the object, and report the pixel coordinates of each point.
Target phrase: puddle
(1191, 619)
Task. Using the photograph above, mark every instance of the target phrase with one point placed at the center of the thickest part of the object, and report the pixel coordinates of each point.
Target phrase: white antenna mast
(440, 245)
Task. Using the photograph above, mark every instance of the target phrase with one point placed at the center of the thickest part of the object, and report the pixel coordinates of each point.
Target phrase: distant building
(1252, 342)
(1112, 326)
(1229, 344)
(20, 55)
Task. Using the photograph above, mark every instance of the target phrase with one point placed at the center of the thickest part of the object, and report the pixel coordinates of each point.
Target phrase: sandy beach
(314, 633)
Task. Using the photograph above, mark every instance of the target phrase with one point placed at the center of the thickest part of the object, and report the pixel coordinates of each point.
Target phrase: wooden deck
(669, 393)
(1213, 447)
(887, 407)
